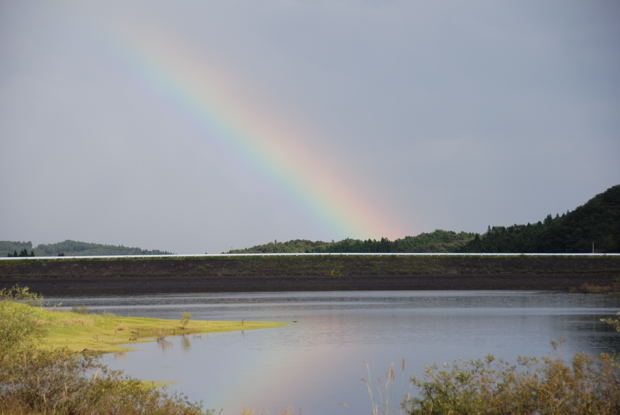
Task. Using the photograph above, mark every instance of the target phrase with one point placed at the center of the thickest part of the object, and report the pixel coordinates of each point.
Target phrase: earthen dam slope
(222, 273)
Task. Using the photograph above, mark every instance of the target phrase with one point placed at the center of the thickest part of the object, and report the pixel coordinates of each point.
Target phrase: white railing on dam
(422, 254)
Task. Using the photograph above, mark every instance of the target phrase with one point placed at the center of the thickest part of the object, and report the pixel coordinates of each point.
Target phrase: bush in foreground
(61, 383)
(542, 386)
(35, 381)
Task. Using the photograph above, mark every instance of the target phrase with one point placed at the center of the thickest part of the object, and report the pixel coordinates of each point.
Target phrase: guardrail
(306, 254)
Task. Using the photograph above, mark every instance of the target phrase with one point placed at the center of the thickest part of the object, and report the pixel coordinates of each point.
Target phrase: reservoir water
(315, 364)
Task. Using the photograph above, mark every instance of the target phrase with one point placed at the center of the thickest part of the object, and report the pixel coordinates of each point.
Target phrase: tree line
(22, 253)
(71, 248)
(592, 227)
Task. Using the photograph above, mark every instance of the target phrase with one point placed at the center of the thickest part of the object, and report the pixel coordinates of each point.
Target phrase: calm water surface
(316, 363)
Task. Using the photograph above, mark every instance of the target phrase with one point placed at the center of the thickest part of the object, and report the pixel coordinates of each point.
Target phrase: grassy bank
(44, 369)
(104, 333)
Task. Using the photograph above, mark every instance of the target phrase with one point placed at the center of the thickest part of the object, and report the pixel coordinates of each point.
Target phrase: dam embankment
(222, 273)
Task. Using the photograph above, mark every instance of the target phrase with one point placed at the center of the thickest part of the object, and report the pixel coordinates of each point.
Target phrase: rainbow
(271, 380)
(246, 123)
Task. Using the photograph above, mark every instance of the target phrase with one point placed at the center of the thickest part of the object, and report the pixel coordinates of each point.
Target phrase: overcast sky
(437, 114)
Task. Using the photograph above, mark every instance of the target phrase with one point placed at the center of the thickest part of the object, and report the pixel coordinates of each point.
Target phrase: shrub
(613, 321)
(34, 381)
(185, 319)
(18, 322)
(548, 385)
(57, 382)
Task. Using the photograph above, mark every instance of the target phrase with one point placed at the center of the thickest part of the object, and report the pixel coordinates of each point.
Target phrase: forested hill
(437, 241)
(294, 246)
(71, 248)
(14, 248)
(592, 226)
(595, 223)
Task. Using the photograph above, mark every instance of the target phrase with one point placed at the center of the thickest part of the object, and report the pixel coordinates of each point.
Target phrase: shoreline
(64, 276)
(109, 333)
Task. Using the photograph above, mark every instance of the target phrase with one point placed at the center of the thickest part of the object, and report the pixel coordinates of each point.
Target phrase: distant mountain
(14, 248)
(594, 226)
(73, 248)
(437, 241)
(294, 246)
(77, 248)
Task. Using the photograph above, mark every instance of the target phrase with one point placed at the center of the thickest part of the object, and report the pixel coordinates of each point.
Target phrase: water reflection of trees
(185, 343)
(163, 344)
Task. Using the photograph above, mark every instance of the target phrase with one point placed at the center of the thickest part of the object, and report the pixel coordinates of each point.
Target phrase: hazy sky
(197, 126)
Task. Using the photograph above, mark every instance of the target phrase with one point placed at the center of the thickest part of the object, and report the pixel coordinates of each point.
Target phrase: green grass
(49, 360)
(105, 333)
